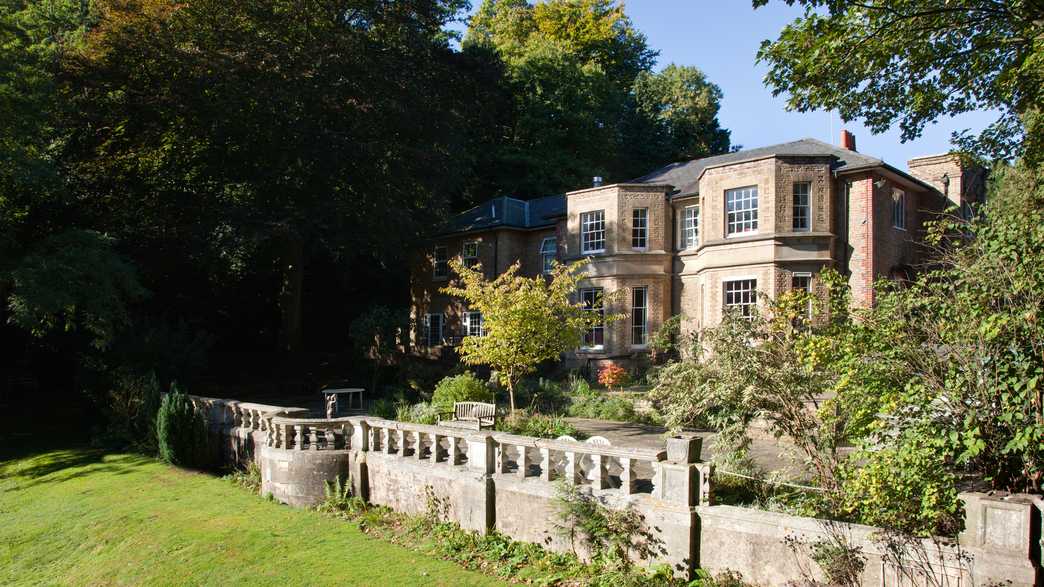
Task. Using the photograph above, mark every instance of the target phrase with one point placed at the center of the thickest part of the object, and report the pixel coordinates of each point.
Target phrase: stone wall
(488, 481)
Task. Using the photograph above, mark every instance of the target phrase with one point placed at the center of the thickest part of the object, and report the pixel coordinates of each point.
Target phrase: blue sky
(721, 37)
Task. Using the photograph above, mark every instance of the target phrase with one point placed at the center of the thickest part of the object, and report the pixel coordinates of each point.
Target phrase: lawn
(81, 517)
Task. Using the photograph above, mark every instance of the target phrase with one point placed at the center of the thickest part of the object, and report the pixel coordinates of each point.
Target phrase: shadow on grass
(57, 466)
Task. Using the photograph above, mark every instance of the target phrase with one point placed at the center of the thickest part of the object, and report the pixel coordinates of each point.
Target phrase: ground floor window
(591, 298)
(742, 296)
(803, 282)
(433, 329)
(473, 324)
(639, 316)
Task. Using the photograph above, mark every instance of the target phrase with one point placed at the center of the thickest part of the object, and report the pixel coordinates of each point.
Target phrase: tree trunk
(511, 391)
(291, 264)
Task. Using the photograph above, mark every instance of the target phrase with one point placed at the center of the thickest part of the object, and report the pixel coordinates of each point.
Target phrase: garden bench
(469, 415)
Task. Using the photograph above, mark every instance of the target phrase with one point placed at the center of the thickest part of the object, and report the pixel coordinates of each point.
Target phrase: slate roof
(684, 175)
(508, 211)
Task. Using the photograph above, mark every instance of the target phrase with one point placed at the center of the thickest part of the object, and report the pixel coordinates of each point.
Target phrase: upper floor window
(742, 295)
(592, 231)
(690, 227)
(639, 316)
(473, 324)
(802, 199)
(548, 252)
(594, 337)
(741, 207)
(899, 209)
(433, 329)
(440, 261)
(470, 254)
(640, 229)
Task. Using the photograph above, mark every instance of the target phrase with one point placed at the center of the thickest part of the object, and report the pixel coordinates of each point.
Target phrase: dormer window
(592, 232)
(741, 208)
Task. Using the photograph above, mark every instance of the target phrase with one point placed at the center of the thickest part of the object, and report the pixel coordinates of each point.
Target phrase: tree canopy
(911, 62)
(584, 99)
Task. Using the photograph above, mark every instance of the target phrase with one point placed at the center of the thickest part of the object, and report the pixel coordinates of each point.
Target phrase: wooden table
(354, 397)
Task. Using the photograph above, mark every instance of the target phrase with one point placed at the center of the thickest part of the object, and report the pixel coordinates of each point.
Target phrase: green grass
(80, 517)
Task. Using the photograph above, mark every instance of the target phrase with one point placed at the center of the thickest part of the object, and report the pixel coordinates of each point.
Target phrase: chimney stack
(596, 181)
(848, 140)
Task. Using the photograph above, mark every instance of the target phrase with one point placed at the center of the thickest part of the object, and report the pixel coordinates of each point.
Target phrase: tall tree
(262, 131)
(910, 62)
(572, 67)
(54, 274)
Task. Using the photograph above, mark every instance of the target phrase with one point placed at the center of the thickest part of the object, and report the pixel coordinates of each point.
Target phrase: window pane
(592, 231)
(592, 301)
(898, 209)
(741, 210)
(691, 227)
(639, 315)
(742, 295)
(441, 258)
(640, 228)
(549, 251)
(802, 193)
(470, 253)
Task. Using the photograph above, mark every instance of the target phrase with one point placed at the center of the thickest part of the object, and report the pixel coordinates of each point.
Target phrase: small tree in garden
(612, 375)
(181, 431)
(376, 333)
(526, 320)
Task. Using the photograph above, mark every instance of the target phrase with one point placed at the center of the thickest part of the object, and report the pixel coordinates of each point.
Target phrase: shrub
(539, 425)
(130, 408)
(382, 408)
(181, 432)
(419, 413)
(600, 406)
(541, 395)
(460, 388)
(613, 375)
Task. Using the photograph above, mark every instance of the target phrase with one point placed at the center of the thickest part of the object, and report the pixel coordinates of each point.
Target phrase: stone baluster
(400, 438)
(418, 446)
(502, 457)
(313, 437)
(627, 475)
(600, 474)
(523, 461)
(436, 440)
(386, 437)
(454, 450)
(298, 437)
(546, 465)
(573, 473)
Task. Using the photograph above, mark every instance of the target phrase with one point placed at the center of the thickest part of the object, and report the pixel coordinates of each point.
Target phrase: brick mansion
(696, 237)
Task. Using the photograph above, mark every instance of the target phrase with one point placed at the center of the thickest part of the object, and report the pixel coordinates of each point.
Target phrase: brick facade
(850, 227)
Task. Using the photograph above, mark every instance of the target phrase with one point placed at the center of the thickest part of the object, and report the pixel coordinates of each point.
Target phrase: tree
(253, 136)
(571, 68)
(377, 333)
(54, 274)
(913, 61)
(525, 320)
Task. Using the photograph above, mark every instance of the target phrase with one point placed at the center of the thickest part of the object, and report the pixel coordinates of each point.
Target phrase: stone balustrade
(491, 480)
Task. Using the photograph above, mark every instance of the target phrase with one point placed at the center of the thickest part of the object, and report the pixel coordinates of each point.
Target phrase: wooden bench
(470, 415)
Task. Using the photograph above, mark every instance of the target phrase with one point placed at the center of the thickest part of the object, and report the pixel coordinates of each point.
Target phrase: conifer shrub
(181, 431)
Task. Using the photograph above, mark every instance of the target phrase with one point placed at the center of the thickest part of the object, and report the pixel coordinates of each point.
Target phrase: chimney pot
(848, 140)
(596, 181)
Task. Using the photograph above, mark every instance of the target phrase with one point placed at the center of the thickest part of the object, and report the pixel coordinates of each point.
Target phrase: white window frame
(898, 209)
(802, 202)
(640, 229)
(548, 252)
(741, 211)
(752, 291)
(440, 263)
(592, 232)
(465, 258)
(808, 288)
(470, 326)
(428, 332)
(640, 317)
(596, 304)
(691, 226)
